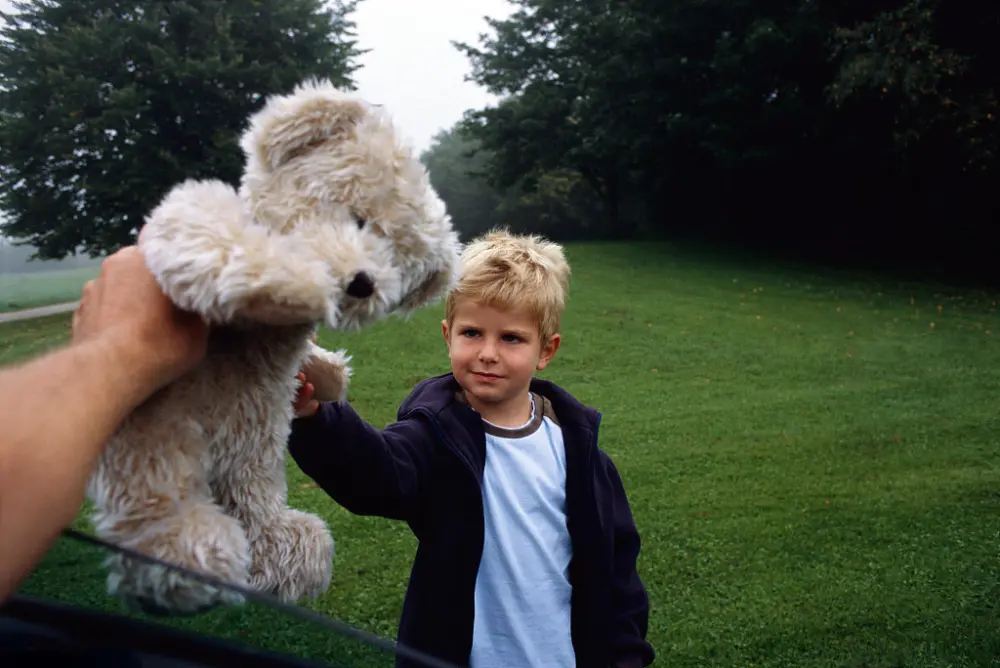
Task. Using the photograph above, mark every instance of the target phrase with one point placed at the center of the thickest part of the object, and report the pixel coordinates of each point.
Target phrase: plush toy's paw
(199, 539)
(161, 592)
(210, 258)
(292, 556)
(329, 373)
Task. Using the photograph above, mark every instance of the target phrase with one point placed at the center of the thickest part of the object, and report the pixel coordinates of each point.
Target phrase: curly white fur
(335, 222)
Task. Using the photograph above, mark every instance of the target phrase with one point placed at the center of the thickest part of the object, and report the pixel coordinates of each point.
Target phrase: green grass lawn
(812, 463)
(18, 291)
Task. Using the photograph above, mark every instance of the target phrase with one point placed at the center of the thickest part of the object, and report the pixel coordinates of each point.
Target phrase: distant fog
(14, 260)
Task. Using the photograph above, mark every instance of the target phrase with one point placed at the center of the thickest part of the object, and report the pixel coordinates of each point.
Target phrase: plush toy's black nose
(362, 286)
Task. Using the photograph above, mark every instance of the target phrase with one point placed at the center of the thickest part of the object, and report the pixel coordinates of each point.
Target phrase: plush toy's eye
(361, 223)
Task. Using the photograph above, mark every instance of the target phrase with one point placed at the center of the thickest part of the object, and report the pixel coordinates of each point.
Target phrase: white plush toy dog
(335, 222)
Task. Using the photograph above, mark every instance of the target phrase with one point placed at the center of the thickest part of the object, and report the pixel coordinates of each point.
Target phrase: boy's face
(495, 352)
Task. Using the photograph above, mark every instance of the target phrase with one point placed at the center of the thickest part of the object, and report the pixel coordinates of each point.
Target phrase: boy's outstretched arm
(629, 599)
(366, 470)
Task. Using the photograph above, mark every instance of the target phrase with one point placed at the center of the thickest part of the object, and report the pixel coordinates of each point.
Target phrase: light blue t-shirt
(522, 600)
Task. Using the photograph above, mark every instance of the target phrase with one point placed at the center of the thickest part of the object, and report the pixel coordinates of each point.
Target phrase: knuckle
(109, 264)
(120, 256)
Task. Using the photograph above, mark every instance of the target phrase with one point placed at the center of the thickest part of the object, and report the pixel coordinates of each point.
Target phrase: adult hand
(126, 308)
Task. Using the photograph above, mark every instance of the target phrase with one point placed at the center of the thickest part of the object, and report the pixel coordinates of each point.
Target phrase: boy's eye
(513, 338)
(469, 332)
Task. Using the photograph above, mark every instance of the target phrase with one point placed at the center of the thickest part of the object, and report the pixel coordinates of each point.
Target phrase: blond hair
(505, 270)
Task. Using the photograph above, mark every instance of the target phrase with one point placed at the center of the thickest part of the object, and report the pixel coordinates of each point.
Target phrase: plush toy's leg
(292, 551)
(211, 258)
(292, 555)
(329, 373)
(150, 494)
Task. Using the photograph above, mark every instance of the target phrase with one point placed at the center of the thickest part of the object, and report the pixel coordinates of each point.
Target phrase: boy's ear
(444, 331)
(548, 351)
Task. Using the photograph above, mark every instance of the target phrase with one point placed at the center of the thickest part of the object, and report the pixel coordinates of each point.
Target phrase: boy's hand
(305, 405)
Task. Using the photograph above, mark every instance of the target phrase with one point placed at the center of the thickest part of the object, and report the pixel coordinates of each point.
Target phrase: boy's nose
(487, 351)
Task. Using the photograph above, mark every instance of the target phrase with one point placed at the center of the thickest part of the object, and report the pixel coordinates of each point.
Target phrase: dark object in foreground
(36, 628)
(33, 631)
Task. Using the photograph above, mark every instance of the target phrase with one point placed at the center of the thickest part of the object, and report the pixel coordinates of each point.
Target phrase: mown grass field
(812, 463)
(19, 291)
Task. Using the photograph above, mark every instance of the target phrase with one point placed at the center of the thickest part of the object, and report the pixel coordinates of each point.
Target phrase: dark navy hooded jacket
(426, 469)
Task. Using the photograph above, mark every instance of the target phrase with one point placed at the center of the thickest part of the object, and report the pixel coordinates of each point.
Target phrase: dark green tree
(856, 131)
(560, 68)
(106, 104)
(926, 86)
(456, 170)
(559, 203)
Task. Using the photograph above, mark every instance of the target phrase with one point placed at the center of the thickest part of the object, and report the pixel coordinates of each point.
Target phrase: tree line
(855, 131)
(860, 132)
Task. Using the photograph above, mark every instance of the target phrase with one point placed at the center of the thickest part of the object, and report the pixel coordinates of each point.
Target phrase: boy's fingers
(308, 409)
(305, 394)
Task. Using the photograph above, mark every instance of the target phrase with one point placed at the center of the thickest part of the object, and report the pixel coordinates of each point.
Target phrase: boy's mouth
(485, 376)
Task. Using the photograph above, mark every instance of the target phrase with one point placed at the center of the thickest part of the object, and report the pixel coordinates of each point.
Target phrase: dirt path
(29, 313)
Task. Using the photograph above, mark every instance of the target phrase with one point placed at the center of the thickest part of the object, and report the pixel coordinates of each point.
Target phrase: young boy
(527, 548)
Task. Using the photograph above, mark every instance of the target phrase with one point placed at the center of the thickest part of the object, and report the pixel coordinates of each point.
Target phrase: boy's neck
(509, 414)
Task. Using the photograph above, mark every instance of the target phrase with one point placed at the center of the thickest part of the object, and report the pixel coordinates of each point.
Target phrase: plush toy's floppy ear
(288, 125)
(433, 287)
(434, 271)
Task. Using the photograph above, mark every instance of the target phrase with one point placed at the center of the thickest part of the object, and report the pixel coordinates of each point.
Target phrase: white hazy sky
(412, 68)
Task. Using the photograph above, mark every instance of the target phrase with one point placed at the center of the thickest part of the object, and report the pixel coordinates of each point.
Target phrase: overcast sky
(412, 67)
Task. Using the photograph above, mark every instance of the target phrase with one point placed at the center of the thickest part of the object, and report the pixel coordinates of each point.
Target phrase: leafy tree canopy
(106, 104)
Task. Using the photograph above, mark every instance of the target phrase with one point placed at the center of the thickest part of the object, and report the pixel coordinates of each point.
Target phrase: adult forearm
(56, 414)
